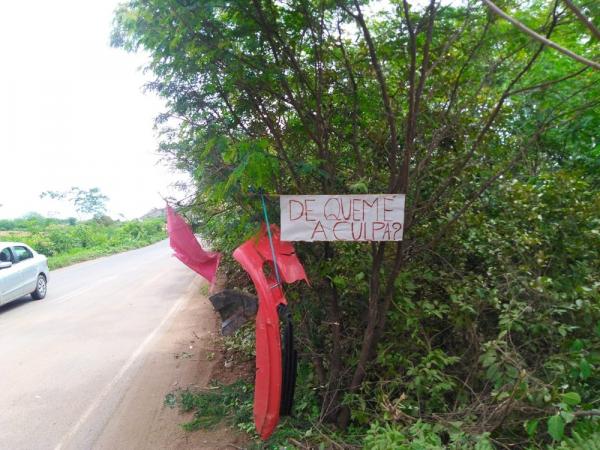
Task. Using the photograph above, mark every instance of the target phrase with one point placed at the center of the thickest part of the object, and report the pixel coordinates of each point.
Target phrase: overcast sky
(72, 111)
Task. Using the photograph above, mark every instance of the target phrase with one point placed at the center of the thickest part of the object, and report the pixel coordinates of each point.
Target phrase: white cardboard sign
(371, 217)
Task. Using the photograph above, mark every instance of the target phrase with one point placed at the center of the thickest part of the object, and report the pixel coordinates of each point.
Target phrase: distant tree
(32, 215)
(104, 220)
(86, 202)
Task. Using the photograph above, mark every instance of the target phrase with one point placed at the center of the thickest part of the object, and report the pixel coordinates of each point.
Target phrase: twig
(588, 413)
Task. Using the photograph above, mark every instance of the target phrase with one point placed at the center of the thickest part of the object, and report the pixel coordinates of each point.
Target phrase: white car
(23, 271)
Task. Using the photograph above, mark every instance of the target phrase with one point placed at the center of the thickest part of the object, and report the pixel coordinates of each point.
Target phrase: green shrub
(66, 242)
(422, 436)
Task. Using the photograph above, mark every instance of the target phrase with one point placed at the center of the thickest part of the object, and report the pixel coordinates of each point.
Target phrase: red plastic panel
(253, 255)
(290, 267)
(267, 391)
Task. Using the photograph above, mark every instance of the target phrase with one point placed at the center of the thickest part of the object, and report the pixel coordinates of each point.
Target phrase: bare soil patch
(189, 355)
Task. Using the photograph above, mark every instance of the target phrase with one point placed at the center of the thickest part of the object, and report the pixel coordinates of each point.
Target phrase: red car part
(252, 255)
(290, 267)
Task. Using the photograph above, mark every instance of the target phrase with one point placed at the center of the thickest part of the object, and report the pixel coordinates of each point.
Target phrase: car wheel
(40, 288)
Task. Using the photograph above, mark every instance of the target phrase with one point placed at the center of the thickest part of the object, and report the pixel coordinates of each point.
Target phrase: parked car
(23, 271)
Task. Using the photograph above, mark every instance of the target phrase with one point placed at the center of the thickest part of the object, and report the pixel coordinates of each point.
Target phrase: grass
(81, 255)
(231, 404)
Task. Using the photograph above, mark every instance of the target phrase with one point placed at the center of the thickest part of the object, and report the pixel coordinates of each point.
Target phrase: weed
(242, 341)
(170, 400)
(183, 355)
(231, 404)
(204, 289)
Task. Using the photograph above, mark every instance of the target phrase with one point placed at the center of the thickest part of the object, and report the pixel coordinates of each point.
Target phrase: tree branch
(387, 103)
(588, 23)
(540, 38)
(460, 167)
(547, 83)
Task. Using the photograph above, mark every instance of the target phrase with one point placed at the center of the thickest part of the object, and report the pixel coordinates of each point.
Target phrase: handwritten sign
(373, 217)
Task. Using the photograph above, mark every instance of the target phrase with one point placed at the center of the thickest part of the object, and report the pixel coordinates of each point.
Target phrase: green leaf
(585, 369)
(359, 188)
(556, 427)
(567, 416)
(577, 345)
(531, 426)
(571, 398)
(502, 396)
(339, 281)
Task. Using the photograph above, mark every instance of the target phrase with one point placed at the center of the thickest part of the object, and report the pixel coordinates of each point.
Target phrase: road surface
(67, 362)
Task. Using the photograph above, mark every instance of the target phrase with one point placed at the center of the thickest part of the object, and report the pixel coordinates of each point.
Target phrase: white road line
(110, 386)
(70, 295)
(89, 287)
(76, 292)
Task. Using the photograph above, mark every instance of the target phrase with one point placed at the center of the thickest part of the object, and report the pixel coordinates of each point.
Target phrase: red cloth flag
(187, 248)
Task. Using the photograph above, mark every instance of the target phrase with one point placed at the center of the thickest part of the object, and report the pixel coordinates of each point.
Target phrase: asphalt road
(66, 361)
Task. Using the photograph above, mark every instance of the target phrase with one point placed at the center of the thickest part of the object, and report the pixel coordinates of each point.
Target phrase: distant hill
(154, 213)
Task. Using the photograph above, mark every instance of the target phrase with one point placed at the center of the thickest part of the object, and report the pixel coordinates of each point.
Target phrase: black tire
(41, 287)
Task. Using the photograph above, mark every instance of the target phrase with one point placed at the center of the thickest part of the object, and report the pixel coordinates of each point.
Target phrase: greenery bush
(65, 242)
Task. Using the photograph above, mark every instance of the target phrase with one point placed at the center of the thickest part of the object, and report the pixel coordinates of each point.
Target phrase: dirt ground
(187, 355)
